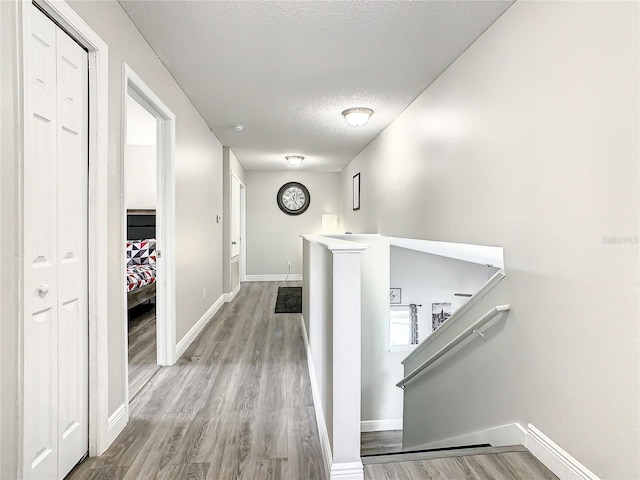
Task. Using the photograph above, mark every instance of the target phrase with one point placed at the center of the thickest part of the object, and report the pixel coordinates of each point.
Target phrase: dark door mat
(289, 300)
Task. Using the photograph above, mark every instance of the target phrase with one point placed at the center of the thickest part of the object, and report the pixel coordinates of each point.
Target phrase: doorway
(148, 226)
(238, 229)
(140, 194)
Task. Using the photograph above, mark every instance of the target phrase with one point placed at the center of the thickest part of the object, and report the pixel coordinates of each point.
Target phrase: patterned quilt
(141, 263)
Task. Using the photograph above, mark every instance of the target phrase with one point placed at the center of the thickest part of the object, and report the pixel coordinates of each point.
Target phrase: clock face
(293, 198)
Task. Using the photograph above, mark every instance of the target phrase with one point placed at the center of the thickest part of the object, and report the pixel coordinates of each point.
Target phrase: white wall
(140, 172)
(198, 166)
(9, 243)
(140, 177)
(530, 141)
(426, 279)
(272, 236)
(141, 125)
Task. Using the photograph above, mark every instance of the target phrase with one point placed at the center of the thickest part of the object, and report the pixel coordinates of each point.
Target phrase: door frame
(134, 86)
(102, 428)
(243, 230)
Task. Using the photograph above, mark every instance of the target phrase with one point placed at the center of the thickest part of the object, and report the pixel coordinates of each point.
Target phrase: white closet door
(55, 245)
(40, 253)
(73, 321)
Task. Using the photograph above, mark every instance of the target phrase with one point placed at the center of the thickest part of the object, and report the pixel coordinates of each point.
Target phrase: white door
(235, 216)
(55, 244)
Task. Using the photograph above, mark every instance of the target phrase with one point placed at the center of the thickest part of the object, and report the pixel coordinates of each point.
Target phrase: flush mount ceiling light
(357, 116)
(295, 160)
(238, 128)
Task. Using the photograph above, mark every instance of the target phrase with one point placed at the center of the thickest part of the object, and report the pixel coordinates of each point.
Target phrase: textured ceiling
(287, 69)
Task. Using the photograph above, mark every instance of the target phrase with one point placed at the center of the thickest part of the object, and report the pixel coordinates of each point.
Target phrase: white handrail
(473, 328)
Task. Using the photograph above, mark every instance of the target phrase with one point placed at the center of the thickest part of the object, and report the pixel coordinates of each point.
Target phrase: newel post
(346, 364)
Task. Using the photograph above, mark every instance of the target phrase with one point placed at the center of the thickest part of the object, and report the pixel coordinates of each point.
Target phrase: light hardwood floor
(377, 443)
(142, 348)
(502, 466)
(237, 405)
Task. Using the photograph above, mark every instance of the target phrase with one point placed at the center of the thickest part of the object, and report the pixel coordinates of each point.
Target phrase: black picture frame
(356, 191)
(395, 296)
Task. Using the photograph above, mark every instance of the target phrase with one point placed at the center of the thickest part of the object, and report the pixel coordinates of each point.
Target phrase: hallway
(237, 405)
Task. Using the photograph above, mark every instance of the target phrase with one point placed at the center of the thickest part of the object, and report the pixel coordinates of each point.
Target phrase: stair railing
(474, 328)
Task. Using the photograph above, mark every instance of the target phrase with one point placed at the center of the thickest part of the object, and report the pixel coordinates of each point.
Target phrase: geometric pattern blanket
(140, 276)
(141, 252)
(141, 263)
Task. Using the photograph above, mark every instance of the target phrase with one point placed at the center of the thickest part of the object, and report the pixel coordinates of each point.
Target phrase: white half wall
(530, 140)
(273, 238)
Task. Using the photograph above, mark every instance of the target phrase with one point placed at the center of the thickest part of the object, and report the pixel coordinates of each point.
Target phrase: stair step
(440, 453)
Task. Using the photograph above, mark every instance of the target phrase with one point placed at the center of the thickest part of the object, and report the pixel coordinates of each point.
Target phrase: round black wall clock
(293, 198)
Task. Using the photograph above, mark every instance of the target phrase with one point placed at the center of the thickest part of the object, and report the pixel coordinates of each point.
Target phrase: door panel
(40, 328)
(73, 321)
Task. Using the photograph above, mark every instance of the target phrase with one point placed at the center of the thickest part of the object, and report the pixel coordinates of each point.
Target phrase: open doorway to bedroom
(148, 244)
(141, 201)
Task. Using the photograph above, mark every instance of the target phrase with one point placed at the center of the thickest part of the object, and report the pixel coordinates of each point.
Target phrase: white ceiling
(287, 69)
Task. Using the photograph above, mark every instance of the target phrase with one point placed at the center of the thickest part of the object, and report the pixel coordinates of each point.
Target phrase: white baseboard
(116, 423)
(347, 471)
(552, 456)
(563, 465)
(293, 277)
(381, 425)
(198, 327)
(502, 436)
(228, 297)
(325, 445)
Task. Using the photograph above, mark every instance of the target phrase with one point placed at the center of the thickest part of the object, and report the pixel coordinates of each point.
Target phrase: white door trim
(65, 16)
(165, 219)
(243, 229)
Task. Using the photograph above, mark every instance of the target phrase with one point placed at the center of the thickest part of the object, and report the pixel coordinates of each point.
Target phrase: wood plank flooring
(377, 443)
(503, 466)
(142, 348)
(237, 405)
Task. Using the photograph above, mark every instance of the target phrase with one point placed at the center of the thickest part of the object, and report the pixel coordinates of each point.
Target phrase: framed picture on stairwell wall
(356, 191)
(440, 312)
(395, 296)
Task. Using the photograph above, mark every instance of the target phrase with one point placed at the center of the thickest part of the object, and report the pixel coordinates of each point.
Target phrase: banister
(473, 328)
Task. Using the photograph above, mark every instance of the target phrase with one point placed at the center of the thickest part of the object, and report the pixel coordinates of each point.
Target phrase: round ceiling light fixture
(295, 160)
(357, 116)
(238, 128)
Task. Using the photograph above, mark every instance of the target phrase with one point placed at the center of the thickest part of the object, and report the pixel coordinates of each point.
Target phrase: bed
(140, 257)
